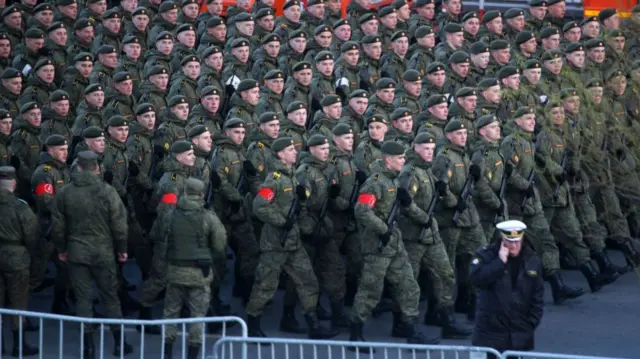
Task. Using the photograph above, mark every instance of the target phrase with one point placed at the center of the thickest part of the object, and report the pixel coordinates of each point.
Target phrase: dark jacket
(507, 315)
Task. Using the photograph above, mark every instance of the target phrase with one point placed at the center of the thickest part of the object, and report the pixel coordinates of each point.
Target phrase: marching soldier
(173, 127)
(298, 85)
(295, 124)
(271, 94)
(26, 145)
(369, 148)
(56, 116)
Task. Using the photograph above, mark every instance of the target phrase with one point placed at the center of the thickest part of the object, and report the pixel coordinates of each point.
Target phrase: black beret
(164, 35)
(454, 125)
(295, 106)
(329, 100)
(399, 113)
(387, 10)
(4, 36)
(411, 75)
(399, 34)
(549, 31)
(358, 93)
(233, 123)
(93, 88)
(290, 3)
(4, 114)
(507, 71)
(82, 23)
(392, 148)
(434, 100)
(532, 64)
(55, 26)
(317, 140)
(34, 33)
(314, 2)
(524, 36)
(523, 111)
(167, 6)
(189, 58)
(499, 45)
(140, 11)
(10, 73)
(611, 33)
(282, 143)
(341, 22)
(176, 100)
(188, 2)
(29, 106)
(420, 3)
(143, 108)
(513, 12)
(263, 12)
(370, 39)
(466, 91)
(398, 4)
(58, 95)
(130, 39)
(479, 47)
(215, 21)
(424, 137)
(550, 55)
(247, 84)
(470, 15)
(65, 2)
(157, 70)
(459, 57)
(385, 83)
(239, 42)
(377, 117)
(185, 27)
(322, 28)
(491, 15)
(268, 117)
(487, 83)
(121, 76)
(484, 120)
(606, 13)
(553, 2)
(614, 73)
(210, 90)
(7, 173)
(92, 132)
(570, 25)
(106, 49)
(43, 62)
(197, 131)
(452, 27)
(594, 82)
(593, 43)
(271, 38)
(88, 157)
(323, 55)
(298, 34)
(435, 67)
(181, 147)
(274, 74)
(573, 47)
(568, 92)
(537, 3)
(9, 10)
(42, 7)
(117, 121)
(243, 17)
(588, 19)
(302, 65)
(342, 129)
(112, 13)
(210, 51)
(56, 140)
(423, 31)
(349, 46)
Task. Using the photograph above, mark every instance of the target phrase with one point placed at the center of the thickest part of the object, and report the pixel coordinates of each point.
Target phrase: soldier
(34, 42)
(76, 79)
(318, 176)
(369, 148)
(189, 10)
(10, 89)
(5, 137)
(91, 257)
(184, 47)
(165, 20)
(119, 99)
(549, 40)
(138, 28)
(189, 248)
(83, 34)
(160, 54)
(500, 51)
(590, 28)
(26, 144)
(530, 86)
(42, 17)
(452, 14)
(265, 22)
(55, 116)
(294, 53)
(321, 41)
(402, 130)
(239, 66)
(492, 27)
(463, 109)
(346, 70)
(153, 90)
(243, 103)
(423, 243)
(260, 153)
(93, 141)
(609, 18)
(368, 25)
(103, 71)
(271, 94)
(341, 34)
(323, 82)
(243, 29)
(384, 253)
(325, 120)
(526, 45)
(173, 128)
(509, 77)
(369, 63)
(280, 243)
(551, 69)
(435, 118)
(353, 112)
(313, 14)
(94, 10)
(434, 80)
(40, 83)
(57, 41)
(215, 35)
(355, 10)
(573, 72)
(523, 202)
(382, 101)
(556, 10)
(536, 16)
(298, 86)
(290, 21)
(459, 66)
(12, 23)
(421, 53)
(110, 30)
(394, 63)
(459, 223)
(571, 33)
(595, 56)
(200, 137)
(454, 39)
(5, 52)
(266, 56)
(409, 93)
(615, 51)
(90, 110)
(514, 23)
(19, 231)
(424, 15)
(489, 100)
(206, 112)
(295, 124)
(211, 71)
(184, 83)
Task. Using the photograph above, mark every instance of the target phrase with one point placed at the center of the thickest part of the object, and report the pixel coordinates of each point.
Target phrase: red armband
(169, 198)
(266, 193)
(44, 188)
(368, 199)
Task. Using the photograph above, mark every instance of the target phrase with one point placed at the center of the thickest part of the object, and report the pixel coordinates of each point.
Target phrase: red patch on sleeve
(368, 199)
(266, 193)
(44, 188)
(169, 198)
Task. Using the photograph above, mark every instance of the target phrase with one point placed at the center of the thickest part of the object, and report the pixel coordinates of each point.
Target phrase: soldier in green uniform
(165, 20)
(382, 101)
(103, 70)
(290, 21)
(526, 47)
(119, 98)
(549, 40)
(435, 80)
(523, 201)
(10, 89)
(458, 76)
(535, 17)
(238, 67)
(409, 93)
(40, 83)
(552, 65)
(211, 71)
(368, 24)
(346, 69)
(341, 34)
(57, 41)
(206, 112)
(29, 56)
(454, 39)
(368, 151)
(42, 17)
(138, 27)
(327, 118)
(265, 21)
(313, 14)
(355, 10)
(488, 103)
(12, 24)
(154, 88)
(321, 41)
(471, 27)
(509, 77)
(530, 86)
(295, 124)
(514, 24)
(479, 53)
(56, 116)
(500, 51)
(323, 82)
(294, 53)
(173, 127)
(76, 79)
(492, 26)
(212, 32)
(435, 118)
(369, 62)
(463, 109)
(184, 47)
(242, 27)
(189, 248)
(298, 85)
(6, 122)
(424, 14)
(19, 233)
(385, 256)
(459, 222)
(86, 238)
(353, 112)
(83, 34)
(90, 110)
(421, 53)
(26, 144)
(280, 243)
(110, 30)
(595, 56)
(388, 23)
(242, 105)
(571, 33)
(401, 130)
(184, 83)
(160, 54)
(202, 141)
(394, 63)
(271, 94)
(266, 57)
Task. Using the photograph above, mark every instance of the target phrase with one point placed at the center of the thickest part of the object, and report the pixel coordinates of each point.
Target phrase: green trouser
(489, 231)
(628, 192)
(608, 206)
(564, 226)
(45, 252)
(246, 247)
(433, 258)
(193, 298)
(12, 287)
(156, 282)
(593, 233)
(462, 240)
(539, 236)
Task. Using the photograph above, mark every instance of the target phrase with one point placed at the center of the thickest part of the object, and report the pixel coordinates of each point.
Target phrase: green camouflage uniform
(152, 94)
(54, 124)
(367, 152)
(270, 102)
(118, 104)
(297, 92)
(26, 144)
(87, 116)
(246, 112)
(184, 86)
(74, 84)
(420, 59)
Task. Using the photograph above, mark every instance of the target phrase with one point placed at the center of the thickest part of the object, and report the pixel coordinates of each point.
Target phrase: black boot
(118, 346)
(247, 287)
(219, 305)
(30, 325)
(289, 323)
(253, 325)
(338, 318)
(193, 351)
(595, 279)
(321, 312)
(471, 309)
(355, 335)
(146, 314)
(630, 254)
(352, 289)
(129, 305)
(384, 305)
(89, 349)
(60, 304)
(560, 291)
(219, 308)
(27, 350)
(414, 336)
(317, 331)
(397, 327)
(168, 350)
(606, 266)
(450, 327)
(431, 315)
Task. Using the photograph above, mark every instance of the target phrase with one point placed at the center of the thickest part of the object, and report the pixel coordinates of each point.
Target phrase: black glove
(15, 162)
(334, 191)
(215, 179)
(133, 169)
(620, 153)
(475, 172)
(500, 209)
(288, 225)
(540, 161)
(158, 151)
(530, 192)
(234, 207)
(385, 238)
(561, 178)
(44, 52)
(571, 173)
(108, 176)
(301, 192)
(248, 168)
(361, 177)
(508, 169)
(441, 187)
(429, 223)
(404, 197)
(461, 206)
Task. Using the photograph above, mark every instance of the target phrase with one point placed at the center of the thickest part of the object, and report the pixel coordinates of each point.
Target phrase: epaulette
(287, 132)
(276, 175)
(174, 176)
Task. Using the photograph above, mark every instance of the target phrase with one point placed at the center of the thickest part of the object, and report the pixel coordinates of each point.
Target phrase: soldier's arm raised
(364, 209)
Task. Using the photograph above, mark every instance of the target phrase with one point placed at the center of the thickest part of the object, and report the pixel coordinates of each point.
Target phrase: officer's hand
(361, 177)
(63, 257)
(288, 225)
(404, 197)
(561, 178)
(504, 252)
(301, 192)
(334, 191)
(441, 187)
(122, 257)
(530, 192)
(508, 169)
(108, 176)
(540, 161)
(248, 168)
(461, 205)
(15, 162)
(215, 179)
(475, 172)
(133, 169)
(235, 206)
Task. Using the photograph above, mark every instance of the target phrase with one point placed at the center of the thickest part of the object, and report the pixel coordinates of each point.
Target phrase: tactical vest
(186, 246)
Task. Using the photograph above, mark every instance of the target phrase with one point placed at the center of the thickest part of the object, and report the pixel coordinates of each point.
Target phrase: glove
(158, 151)
(334, 191)
(44, 52)
(461, 206)
(540, 161)
(571, 173)
(385, 238)
(15, 162)
(234, 207)
(248, 168)
(561, 178)
(215, 179)
(133, 169)
(404, 197)
(429, 223)
(475, 172)
(288, 225)
(108, 176)
(620, 153)
(530, 192)
(500, 209)
(361, 177)
(441, 187)
(301, 192)
(508, 169)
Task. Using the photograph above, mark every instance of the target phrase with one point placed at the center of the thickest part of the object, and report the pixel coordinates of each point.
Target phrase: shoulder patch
(260, 144)
(174, 177)
(276, 175)
(376, 177)
(46, 168)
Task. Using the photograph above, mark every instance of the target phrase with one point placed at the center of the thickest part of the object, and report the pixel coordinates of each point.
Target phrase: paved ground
(603, 324)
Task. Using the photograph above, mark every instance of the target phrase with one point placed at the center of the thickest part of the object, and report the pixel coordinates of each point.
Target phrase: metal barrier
(281, 348)
(149, 345)
(510, 354)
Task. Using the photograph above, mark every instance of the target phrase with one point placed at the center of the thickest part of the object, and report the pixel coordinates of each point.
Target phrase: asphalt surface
(601, 324)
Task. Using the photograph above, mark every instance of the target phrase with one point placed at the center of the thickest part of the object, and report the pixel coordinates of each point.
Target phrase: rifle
(466, 192)
(210, 188)
(158, 154)
(293, 212)
(391, 220)
(433, 203)
(323, 213)
(563, 163)
(240, 185)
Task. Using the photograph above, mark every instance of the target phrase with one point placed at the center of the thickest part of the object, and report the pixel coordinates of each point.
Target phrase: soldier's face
(554, 65)
(5, 48)
(468, 103)
(551, 43)
(325, 67)
(395, 163)
(211, 103)
(400, 46)
(428, 41)
(390, 21)
(271, 128)
(344, 142)
(343, 32)
(364, 3)
(529, 47)
(572, 104)
(190, 11)
(517, 23)
(377, 130)
(191, 69)
(147, 120)
(95, 99)
(320, 152)
(288, 155)
(557, 10)
(132, 51)
(513, 246)
(243, 4)
(454, 7)
(481, 60)
(502, 57)
(613, 22)
(370, 27)
(573, 35)
(119, 133)
(47, 73)
(528, 122)
(491, 132)
(428, 11)
(204, 142)
(34, 44)
(557, 116)
(112, 24)
(597, 55)
(334, 111)
(317, 10)
(13, 85)
(359, 105)
(236, 135)
(404, 124)
(186, 158)
(275, 85)
(241, 53)
(141, 22)
(404, 13)
(85, 35)
(413, 88)
(69, 10)
(59, 36)
(160, 80)
(386, 95)
(215, 61)
(351, 57)
(333, 5)
(596, 94)
(324, 39)
(299, 117)
(187, 38)
(164, 46)
(533, 75)
(293, 13)
(493, 94)
(219, 32)
(456, 39)
(171, 16)
(298, 44)
(374, 51)
(109, 60)
(99, 7)
(45, 17)
(61, 107)
(272, 48)
(14, 20)
(617, 43)
(618, 84)
(440, 111)
(437, 78)
(576, 58)
(512, 81)
(461, 69)
(267, 23)
(251, 96)
(215, 7)
(5, 126)
(458, 138)
(59, 153)
(591, 29)
(33, 117)
(472, 26)
(538, 12)
(495, 25)
(181, 111)
(425, 151)
(125, 87)
(129, 5)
